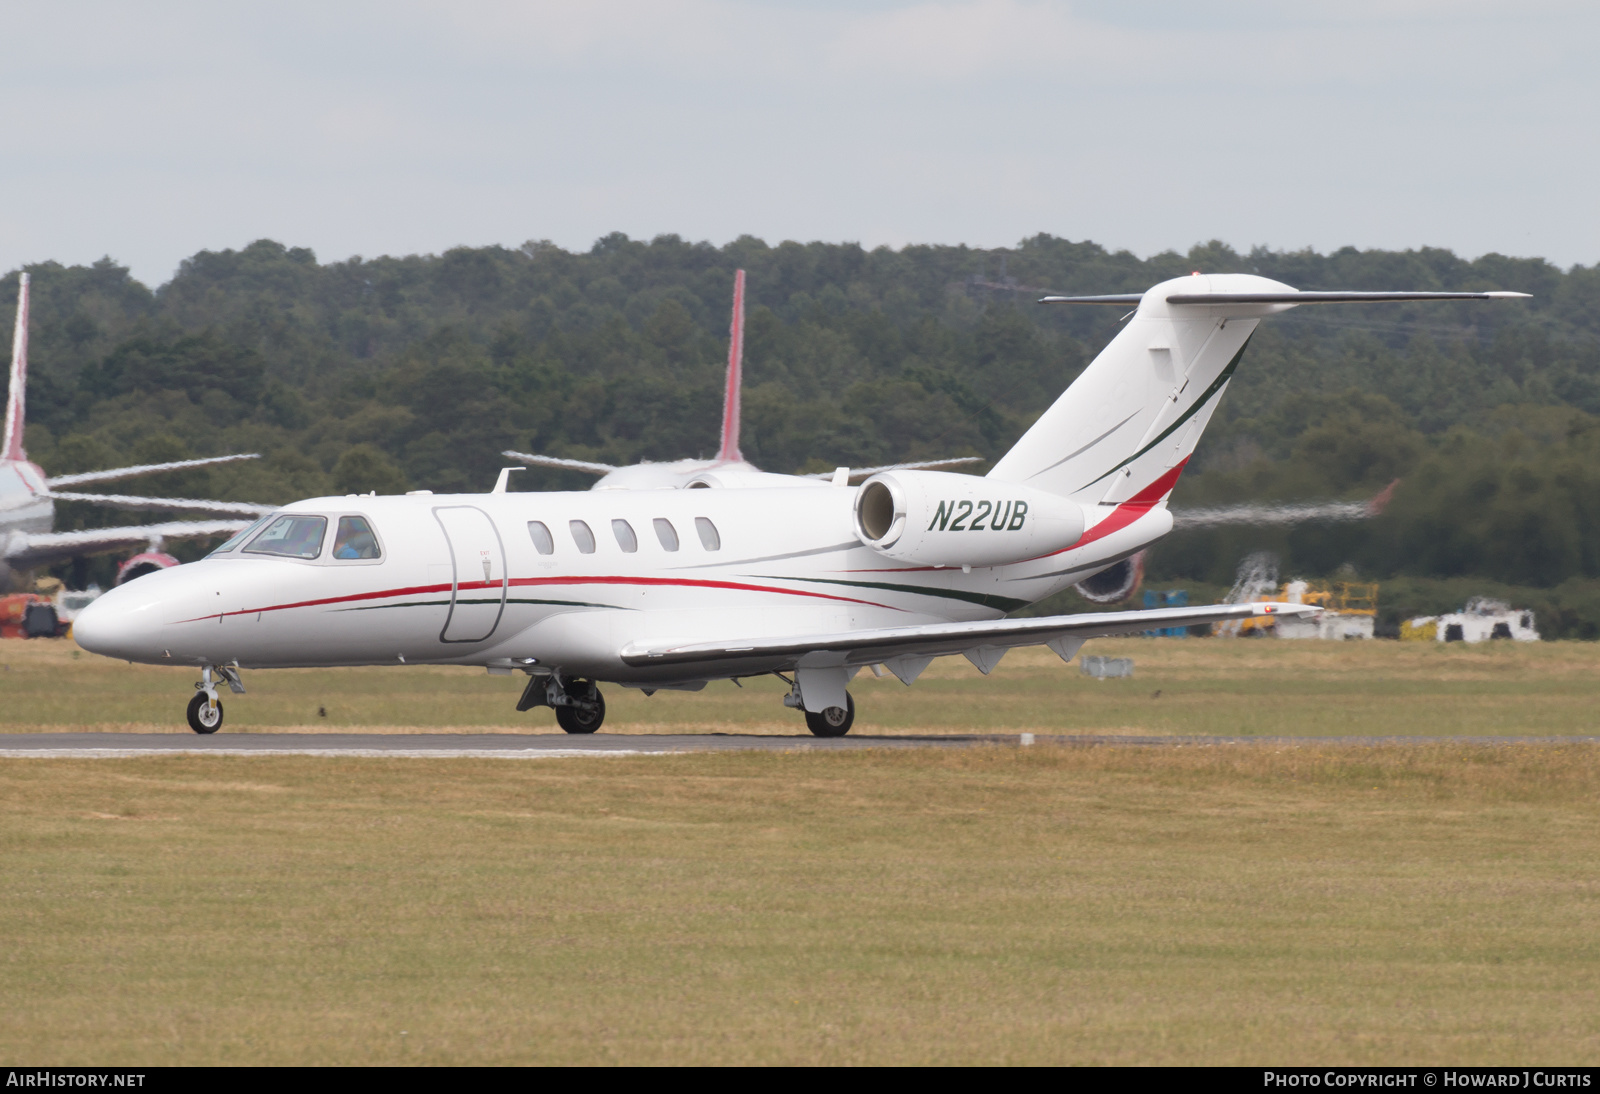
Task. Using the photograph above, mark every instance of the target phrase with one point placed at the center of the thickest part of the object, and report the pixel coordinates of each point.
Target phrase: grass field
(1189, 686)
(1277, 904)
(1265, 904)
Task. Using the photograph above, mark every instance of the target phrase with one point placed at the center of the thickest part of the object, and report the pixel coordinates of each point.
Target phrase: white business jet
(673, 588)
(28, 496)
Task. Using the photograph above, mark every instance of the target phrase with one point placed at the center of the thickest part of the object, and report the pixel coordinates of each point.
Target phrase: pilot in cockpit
(354, 539)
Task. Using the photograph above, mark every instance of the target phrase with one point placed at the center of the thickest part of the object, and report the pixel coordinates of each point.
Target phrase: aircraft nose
(120, 626)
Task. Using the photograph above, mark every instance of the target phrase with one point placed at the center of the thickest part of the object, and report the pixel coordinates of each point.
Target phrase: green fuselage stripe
(988, 600)
(496, 601)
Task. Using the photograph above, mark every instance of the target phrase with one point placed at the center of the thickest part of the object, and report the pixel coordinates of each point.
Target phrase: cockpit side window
(290, 535)
(354, 539)
(240, 536)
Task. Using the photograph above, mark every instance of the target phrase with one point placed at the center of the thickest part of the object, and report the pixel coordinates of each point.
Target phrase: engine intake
(935, 518)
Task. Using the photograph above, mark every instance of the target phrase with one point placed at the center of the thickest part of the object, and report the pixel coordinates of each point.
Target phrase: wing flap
(906, 646)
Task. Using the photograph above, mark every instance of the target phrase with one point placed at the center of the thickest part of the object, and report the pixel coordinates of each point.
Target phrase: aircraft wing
(907, 650)
(1271, 514)
(127, 501)
(34, 549)
(556, 461)
(116, 473)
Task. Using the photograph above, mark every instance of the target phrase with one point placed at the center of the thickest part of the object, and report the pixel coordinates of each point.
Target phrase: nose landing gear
(578, 704)
(205, 709)
(205, 712)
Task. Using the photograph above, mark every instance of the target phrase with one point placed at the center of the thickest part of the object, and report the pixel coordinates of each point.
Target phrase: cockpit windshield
(290, 535)
(354, 539)
(239, 537)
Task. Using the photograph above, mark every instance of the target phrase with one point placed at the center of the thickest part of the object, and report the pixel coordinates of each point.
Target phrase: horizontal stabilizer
(1334, 297)
(1132, 300)
(199, 505)
(866, 647)
(1121, 300)
(116, 473)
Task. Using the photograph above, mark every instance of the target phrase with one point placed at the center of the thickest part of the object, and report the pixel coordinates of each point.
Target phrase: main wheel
(835, 721)
(582, 719)
(203, 716)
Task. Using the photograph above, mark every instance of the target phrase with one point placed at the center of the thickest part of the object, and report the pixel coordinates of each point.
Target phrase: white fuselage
(25, 504)
(460, 581)
(25, 508)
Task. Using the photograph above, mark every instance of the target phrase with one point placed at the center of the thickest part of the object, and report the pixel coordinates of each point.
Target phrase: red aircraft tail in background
(730, 396)
(15, 418)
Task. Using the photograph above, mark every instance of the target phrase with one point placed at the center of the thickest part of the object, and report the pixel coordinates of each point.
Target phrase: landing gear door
(478, 559)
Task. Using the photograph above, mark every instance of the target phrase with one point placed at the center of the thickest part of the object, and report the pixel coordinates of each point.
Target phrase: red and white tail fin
(730, 396)
(16, 404)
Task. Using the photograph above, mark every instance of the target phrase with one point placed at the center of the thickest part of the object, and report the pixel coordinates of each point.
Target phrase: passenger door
(478, 563)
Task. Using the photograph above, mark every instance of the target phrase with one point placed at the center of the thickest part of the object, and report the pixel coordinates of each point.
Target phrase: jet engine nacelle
(936, 518)
(147, 562)
(1116, 583)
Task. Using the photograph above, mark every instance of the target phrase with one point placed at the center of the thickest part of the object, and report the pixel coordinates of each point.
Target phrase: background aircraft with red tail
(28, 495)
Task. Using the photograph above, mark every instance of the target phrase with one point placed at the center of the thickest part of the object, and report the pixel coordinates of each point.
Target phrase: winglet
(16, 405)
(730, 397)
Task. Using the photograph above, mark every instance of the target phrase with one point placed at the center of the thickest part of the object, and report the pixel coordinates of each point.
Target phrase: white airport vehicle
(670, 589)
(28, 496)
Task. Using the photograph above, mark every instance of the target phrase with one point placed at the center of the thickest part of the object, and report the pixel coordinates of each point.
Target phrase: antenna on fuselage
(729, 453)
(16, 404)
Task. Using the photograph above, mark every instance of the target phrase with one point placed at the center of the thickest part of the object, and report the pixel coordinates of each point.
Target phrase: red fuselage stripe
(469, 586)
(1130, 510)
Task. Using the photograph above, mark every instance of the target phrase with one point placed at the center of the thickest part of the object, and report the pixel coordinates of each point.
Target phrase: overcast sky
(150, 131)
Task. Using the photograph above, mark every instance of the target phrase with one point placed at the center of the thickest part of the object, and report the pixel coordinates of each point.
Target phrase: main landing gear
(579, 706)
(829, 721)
(833, 722)
(205, 709)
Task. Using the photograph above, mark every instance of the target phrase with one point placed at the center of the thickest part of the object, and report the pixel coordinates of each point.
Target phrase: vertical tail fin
(16, 404)
(1122, 433)
(1125, 428)
(730, 396)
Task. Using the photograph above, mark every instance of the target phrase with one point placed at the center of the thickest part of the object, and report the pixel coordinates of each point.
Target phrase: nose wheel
(587, 712)
(205, 713)
(205, 709)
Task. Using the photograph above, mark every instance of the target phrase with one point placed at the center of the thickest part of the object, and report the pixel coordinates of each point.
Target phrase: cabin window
(582, 536)
(354, 539)
(543, 541)
(666, 533)
(708, 534)
(625, 537)
(240, 536)
(291, 535)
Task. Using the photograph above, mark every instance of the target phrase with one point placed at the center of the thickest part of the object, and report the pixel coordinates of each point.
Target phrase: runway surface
(554, 746)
